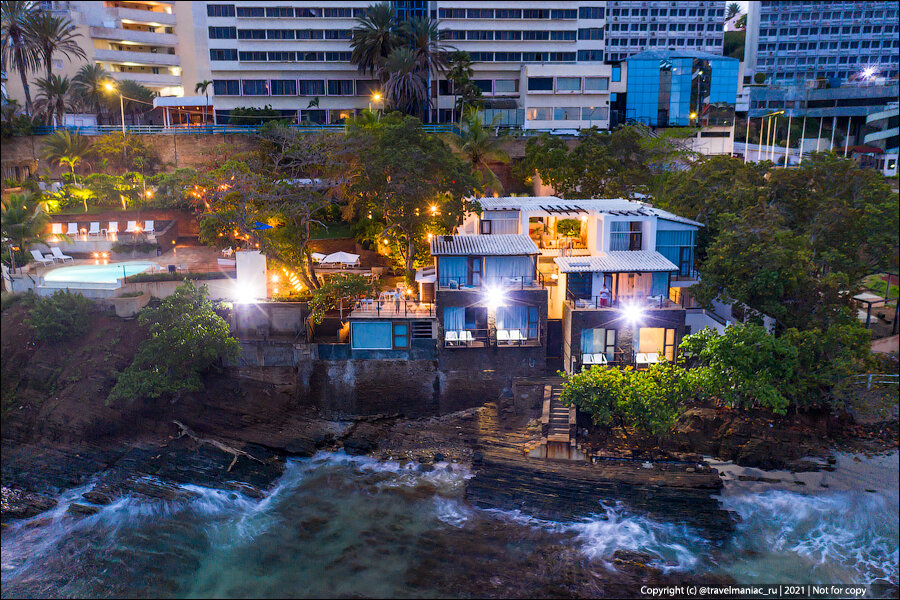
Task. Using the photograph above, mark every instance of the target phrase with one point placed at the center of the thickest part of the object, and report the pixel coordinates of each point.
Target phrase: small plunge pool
(108, 274)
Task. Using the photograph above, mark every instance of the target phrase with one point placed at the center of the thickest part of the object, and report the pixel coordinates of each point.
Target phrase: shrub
(64, 315)
(143, 247)
(568, 227)
(337, 291)
(151, 277)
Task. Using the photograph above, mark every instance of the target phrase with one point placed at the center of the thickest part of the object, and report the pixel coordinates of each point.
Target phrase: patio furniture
(148, 227)
(56, 228)
(228, 252)
(132, 227)
(641, 358)
(341, 258)
(600, 359)
(515, 335)
(95, 228)
(503, 335)
(652, 357)
(73, 229)
(465, 337)
(451, 337)
(58, 255)
(226, 262)
(41, 258)
(587, 359)
(113, 229)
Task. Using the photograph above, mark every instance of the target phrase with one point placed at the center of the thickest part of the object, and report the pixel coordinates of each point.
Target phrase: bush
(568, 227)
(151, 277)
(62, 316)
(143, 247)
(292, 296)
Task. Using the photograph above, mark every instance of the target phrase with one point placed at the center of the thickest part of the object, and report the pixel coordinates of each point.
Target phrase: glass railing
(599, 302)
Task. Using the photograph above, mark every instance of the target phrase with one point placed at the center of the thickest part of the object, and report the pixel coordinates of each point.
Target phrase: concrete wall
(186, 224)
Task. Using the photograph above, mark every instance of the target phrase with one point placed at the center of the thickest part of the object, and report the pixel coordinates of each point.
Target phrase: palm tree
(426, 39)
(89, 84)
(52, 34)
(64, 148)
(404, 81)
(374, 38)
(54, 98)
(733, 9)
(23, 221)
(458, 73)
(477, 143)
(202, 87)
(136, 98)
(17, 48)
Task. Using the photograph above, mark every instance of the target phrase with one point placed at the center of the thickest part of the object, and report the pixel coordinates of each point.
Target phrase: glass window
(596, 84)
(367, 87)
(223, 54)
(539, 114)
(310, 34)
(252, 56)
(568, 113)
(337, 56)
(338, 13)
(452, 13)
(562, 57)
(255, 87)
(568, 84)
(617, 73)
(479, 35)
(280, 34)
(508, 13)
(312, 87)
(220, 10)
(340, 87)
(536, 13)
(338, 34)
(563, 36)
(508, 56)
(590, 33)
(480, 13)
(371, 336)
(595, 113)
(540, 84)
(280, 12)
(535, 35)
(401, 335)
(485, 85)
(590, 55)
(307, 13)
(284, 87)
(508, 36)
(505, 86)
(227, 87)
(222, 33)
(251, 11)
(590, 12)
(251, 34)
(657, 340)
(282, 56)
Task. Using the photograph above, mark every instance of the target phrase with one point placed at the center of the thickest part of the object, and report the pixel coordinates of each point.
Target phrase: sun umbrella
(344, 258)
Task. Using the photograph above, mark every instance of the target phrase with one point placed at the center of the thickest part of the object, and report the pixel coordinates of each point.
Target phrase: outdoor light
(554, 276)
(494, 297)
(869, 72)
(632, 313)
(434, 209)
(109, 87)
(275, 278)
(243, 296)
(376, 97)
(95, 254)
(149, 193)
(693, 115)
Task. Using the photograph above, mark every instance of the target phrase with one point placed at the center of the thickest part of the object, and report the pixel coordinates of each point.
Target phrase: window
(533, 323)
(635, 235)
(595, 113)
(223, 54)
(251, 34)
(367, 87)
(508, 36)
(307, 13)
(591, 33)
(337, 56)
(251, 11)
(309, 34)
(311, 87)
(570, 113)
(536, 13)
(227, 87)
(280, 12)
(220, 10)
(338, 34)
(340, 87)
(562, 57)
(506, 86)
(371, 336)
(401, 335)
(540, 84)
(507, 13)
(563, 36)
(568, 84)
(564, 13)
(480, 13)
(657, 340)
(252, 56)
(222, 33)
(599, 341)
(618, 236)
(508, 56)
(482, 56)
(310, 56)
(485, 85)
(590, 55)
(485, 227)
(590, 12)
(539, 114)
(282, 56)
(596, 84)
(535, 35)
(454, 35)
(284, 87)
(255, 87)
(617, 73)
(452, 13)
(338, 13)
(480, 35)
(280, 34)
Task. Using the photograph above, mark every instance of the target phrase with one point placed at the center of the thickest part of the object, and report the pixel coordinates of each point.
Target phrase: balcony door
(475, 271)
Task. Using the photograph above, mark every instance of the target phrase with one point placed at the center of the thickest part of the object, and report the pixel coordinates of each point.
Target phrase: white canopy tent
(341, 258)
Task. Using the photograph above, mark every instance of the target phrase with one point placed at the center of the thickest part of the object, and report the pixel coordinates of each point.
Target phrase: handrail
(208, 129)
(596, 302)
(506, 282)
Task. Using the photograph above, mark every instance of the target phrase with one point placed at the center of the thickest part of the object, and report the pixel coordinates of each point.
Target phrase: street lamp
(112, 88)
(376, 98)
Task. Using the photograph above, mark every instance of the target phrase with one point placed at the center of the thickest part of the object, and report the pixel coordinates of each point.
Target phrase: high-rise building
(678, 26)
(792, 41)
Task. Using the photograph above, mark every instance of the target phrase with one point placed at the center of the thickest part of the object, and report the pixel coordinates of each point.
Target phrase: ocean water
(337, 526)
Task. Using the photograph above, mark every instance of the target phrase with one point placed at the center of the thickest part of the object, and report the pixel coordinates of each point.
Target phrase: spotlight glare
(494, 297)
(632, 313)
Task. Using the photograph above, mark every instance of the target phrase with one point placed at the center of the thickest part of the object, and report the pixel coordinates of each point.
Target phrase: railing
(206, 129)
(882, 378)
(392, 308)
(467, 338)
(506, 283)
(596, 302)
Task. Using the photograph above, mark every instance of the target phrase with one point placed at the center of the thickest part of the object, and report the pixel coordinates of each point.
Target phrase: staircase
(557, 428)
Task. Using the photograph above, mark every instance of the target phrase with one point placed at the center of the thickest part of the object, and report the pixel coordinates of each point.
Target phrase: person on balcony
(604, 295)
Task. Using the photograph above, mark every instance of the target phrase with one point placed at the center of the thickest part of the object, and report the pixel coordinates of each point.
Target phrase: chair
(587, 359)
(113, 229)
(515, 335)
(41, 258)
(73, 229)
(58, 255)
(652, 357)
(641, 358)
(132, 227)
(56, 228)
(451, 337)
(148, 227)
(503, 335)
(95, 228)
(600, 359)
(466, 336)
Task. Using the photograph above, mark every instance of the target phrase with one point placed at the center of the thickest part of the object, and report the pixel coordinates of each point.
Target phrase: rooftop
(668, 54)
(483, 245)
(611, 206)
(616, 262)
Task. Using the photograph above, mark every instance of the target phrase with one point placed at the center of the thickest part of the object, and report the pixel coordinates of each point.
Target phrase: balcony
(142, 16)
(148, 79)
(127, 35)
(476, 282)
(139, 58)
(369, 308)
(487, 338)
(615, 303)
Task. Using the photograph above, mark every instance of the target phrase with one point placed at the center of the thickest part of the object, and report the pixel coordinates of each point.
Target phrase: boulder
(82, 510)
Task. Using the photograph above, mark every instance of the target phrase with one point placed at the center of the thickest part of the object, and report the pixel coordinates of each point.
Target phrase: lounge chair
(41, 258)
(452, 338)
(58, 255)
(148, 227)
(600, 359)
(515, 335)
(95, 228)
(641, 358)
(465, 337)
(73, 230)
(587, 359)
(56, 228)
(652, 357)
(132, 227)
(113, 229)
(502, 336)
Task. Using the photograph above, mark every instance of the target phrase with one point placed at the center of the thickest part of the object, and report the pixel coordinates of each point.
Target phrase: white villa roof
(483, 245)
(622, 261)
(163, 101)
(552, 204)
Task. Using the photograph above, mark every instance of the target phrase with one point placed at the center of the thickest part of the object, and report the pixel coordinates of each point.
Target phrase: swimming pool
(96, 273)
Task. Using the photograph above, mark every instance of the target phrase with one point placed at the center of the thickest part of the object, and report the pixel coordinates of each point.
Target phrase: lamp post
(376, 98)
(112, 88)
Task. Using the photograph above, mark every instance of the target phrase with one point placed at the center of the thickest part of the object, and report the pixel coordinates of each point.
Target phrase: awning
(622, 261)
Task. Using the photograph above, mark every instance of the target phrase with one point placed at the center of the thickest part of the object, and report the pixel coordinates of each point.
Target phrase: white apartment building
(540, 65)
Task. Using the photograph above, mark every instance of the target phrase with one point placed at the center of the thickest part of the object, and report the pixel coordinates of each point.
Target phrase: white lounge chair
(73, 230)
(451, 337)
(113, 229)
(132, 227)
(515, 335)
(587, 359)
(148, 227)
(652, 357)
(95, 228)
(58, 255)
(41, 258)
(56, 228)
(465, 336)
(502, 336)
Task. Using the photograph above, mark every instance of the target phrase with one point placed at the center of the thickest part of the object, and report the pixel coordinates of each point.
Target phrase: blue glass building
(681, 88)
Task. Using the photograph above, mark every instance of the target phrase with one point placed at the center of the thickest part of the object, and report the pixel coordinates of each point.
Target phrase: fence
(208, 129)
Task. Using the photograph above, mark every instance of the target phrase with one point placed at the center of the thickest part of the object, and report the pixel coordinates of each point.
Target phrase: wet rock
(359, 445)
(246, 489)
(302, 448)
(20, 504)
(635, 562)
(761, 454)
(82, 510)
(96, 497)
(438, 457)
(477, 457)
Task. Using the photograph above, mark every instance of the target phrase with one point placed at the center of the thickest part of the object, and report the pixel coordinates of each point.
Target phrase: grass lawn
(877, 284)
(340, 229)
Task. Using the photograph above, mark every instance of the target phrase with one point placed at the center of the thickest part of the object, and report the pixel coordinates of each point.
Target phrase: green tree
(339, 291)
(23, 222)
(202, 87)
(744, 367)
(61, 316)
(137, 98)
(54, 98)
(459, 74)
(136, 156)
(187, 338)
(68, 149)
(405, 86)
(18, 49)
(374, 38)
(733, 9)
(89, 84)
(826, 358)
(479, 146)
(410, 181)
(51, 35)
(425, 38)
